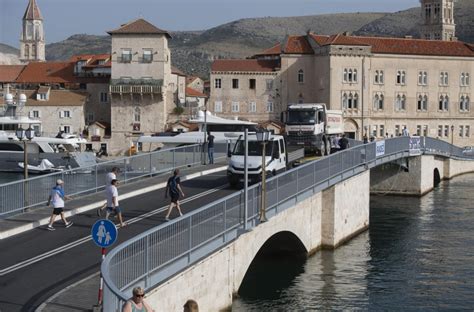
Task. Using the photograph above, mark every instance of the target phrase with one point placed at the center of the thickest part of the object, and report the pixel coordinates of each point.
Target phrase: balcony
(136, 86)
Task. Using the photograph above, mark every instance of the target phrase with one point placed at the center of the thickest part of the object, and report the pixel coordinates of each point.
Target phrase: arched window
(446, 103)
(403, 102)
(441, 99)
(398, 101)
(420, 102)
(300, 76)
(349, 76)
(354, 76)
(345, 75)
(33, 51)
(425, 102)
(376, 80)
(27, 51)
(381, 77)
(378, 101)
(463, 79)
(420, 78)
(425, 78)
(350, 103)
(344, 101)
(136, 114)
(355, 101)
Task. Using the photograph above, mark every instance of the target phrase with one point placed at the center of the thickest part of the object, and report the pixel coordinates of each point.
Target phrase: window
(425, 130)
(443, 103)
(374, 131)
(440, 131)
(428, 12)
(446, 131)
(461, 131)
(300, 76)
(235, 83)
(42, 96)
(252, 84)
(379, 79)
(65, 114)
(90, 117)
(397, 130)
(422, 103)
(136, 114)
(252, 107)
(269, 83)
(418, 130)
(401, 77)
(350, 75)
(443, 79)
(235, 107)
(67, 129)
(465, 79)
(217, 83)
(36, 114)
(378, 101)
(467, 131)
(400, 102)
(126, 56)
(381, 131)
(269, 107)
(218, 107)
(422, 78)
(464, 103)
(350, 100)
(147, 56)
(103, 97)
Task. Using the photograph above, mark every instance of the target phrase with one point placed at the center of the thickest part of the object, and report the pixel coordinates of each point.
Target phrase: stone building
(437, 20)
(141, 72)
(32, 41)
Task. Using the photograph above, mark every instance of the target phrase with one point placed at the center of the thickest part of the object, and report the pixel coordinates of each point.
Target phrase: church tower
(32, 45)
(437, 20)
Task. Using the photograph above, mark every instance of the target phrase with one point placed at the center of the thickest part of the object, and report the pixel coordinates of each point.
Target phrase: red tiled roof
(92, 60)
(47, 72)
(275, 50)
(405, 46)
(32, 11)
(9, 73)
(139, 26)
(193, 92)
(297, 45)
(248, 65)
(56, 98)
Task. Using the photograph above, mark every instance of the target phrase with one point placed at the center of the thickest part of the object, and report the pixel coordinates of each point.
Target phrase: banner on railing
(379, 148)
(415, 146)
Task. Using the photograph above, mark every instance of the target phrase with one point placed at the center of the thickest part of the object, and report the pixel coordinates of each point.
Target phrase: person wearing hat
(56, 198)
(112, 175)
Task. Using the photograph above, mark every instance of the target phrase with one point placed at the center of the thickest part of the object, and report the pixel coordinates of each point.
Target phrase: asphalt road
(41, 262)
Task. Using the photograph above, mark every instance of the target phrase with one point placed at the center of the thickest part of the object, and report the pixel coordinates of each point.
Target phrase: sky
(63, 18)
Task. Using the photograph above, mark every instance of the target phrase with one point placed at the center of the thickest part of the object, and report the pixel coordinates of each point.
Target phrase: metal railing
(32, 193)
(156, 255)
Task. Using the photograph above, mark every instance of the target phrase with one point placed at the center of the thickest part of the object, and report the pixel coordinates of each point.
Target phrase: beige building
(141, 72)
(32, 40)
(381, 84)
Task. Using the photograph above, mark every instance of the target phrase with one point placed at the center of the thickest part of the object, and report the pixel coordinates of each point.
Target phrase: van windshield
(255, 148)
(301, 117)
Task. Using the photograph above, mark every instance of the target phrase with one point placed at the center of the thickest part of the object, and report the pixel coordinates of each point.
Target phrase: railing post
(96, 178)
(147, 261)
(151, 168)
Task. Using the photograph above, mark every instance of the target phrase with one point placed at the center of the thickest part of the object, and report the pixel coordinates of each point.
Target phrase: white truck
(313, 127)
(278, 158)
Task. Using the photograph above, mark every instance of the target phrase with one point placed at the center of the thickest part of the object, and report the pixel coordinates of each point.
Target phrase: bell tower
(32, 44)
(437, 20)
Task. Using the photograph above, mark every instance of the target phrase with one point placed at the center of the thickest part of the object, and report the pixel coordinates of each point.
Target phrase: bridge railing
(32, 193)
(158, 254)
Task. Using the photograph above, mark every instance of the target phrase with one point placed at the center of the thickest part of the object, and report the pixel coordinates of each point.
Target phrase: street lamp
(263, 136)
(25, 136)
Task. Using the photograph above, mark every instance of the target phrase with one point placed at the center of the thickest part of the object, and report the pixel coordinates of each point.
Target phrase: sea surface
(418, 255)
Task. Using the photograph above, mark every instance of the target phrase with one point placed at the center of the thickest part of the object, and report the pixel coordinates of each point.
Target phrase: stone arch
(436, 177)
(279, 250)
(351, 128)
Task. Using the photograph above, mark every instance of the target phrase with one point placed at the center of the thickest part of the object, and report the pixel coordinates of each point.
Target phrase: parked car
(468, 151)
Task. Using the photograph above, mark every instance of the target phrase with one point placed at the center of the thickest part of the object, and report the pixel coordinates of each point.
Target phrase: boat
(44, 167)
(223, 130)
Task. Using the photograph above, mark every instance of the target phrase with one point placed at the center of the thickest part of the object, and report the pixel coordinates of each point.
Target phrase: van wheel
(327, 150)
(322, 147)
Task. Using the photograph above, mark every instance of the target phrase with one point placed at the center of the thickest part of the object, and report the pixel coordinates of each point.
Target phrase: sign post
(104, 234)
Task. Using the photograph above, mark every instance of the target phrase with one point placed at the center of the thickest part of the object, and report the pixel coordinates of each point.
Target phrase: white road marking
(80, 241)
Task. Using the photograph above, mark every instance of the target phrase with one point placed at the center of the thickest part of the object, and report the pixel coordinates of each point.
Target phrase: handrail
(323, 172)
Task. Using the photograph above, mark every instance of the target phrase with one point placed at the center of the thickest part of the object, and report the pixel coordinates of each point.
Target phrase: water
(418, 255)
(6, 177)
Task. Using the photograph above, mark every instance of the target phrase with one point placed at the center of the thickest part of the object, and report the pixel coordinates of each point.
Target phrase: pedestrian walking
(113, 202)
(174, 188)
(137, 303)
(343, 142)
(210, 147)
(405, 132)
(112, 175)
(56, 198)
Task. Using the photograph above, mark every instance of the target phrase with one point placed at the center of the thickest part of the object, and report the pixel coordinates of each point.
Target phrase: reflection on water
(417, 255)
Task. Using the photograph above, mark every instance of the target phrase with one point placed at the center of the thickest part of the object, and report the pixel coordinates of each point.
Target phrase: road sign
(104, 233)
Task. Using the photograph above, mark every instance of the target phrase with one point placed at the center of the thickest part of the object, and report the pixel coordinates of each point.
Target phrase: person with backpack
(174, 188)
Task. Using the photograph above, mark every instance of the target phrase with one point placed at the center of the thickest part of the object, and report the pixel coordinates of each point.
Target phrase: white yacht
(222, 129)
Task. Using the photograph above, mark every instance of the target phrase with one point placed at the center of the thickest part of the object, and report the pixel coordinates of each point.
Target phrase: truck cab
(276, 158)
(312, 126)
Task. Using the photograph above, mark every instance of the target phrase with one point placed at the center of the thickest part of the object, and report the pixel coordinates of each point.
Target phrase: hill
(193, 51)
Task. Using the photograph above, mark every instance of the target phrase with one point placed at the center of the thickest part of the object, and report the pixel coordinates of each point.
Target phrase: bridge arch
(436, 177)
(282, 250)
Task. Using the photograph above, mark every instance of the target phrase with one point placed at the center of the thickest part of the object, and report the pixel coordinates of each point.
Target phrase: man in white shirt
(112, 175)
(112, 201)
(56, 198)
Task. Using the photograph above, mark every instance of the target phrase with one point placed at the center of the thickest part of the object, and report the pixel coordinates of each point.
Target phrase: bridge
(320, 204)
